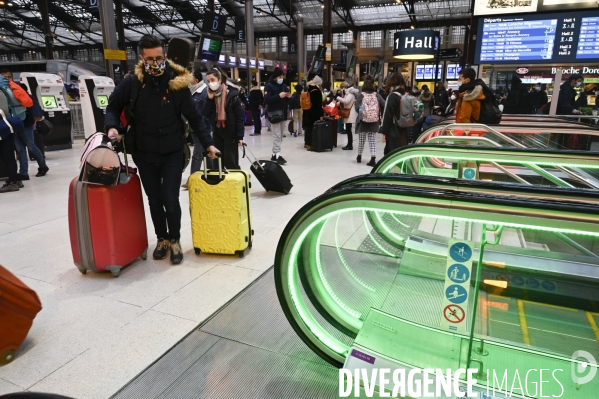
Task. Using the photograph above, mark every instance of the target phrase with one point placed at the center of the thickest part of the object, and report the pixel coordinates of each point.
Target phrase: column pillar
(249, 36)
(301, 50)
(108, 31)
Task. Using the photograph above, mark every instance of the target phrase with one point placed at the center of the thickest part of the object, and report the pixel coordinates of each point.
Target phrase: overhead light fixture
(412, 27)
(322, 6)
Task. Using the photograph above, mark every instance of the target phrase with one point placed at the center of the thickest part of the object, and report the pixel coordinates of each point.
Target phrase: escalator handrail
(498, 154)
(482, 187)
(572, 217)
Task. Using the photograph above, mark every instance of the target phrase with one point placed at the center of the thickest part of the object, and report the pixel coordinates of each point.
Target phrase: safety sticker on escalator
(458, 272)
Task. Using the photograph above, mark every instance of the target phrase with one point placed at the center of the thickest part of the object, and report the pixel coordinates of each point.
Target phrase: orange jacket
(468, 107)
(21, 95)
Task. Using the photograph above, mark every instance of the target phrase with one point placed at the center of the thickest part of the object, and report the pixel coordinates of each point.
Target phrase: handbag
(331, 109)
(275, 116)
(44, 127)
(344, 112)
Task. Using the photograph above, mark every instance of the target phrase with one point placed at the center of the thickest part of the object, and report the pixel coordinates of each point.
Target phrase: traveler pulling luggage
(219, 203)
(270, 174)
(19, 305)
(107, 223)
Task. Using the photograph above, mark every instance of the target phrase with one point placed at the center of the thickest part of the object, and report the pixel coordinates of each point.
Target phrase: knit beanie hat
(316, 81)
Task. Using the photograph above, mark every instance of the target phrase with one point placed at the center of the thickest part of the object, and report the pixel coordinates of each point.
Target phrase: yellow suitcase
(219, 204)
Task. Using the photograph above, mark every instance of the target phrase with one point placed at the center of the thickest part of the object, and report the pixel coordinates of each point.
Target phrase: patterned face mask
(155, 69)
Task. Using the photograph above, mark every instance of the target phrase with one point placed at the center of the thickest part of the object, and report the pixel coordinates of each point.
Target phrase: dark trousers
(398, 139)
(350, 137)
(308, 136)
(257, 121)
(161, 181)
(7, 154)
(228, 148)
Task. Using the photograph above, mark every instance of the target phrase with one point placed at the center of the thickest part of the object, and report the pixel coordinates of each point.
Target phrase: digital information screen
(453, 71)
(49, 102)
(211, 48)
(419, 72)
(427, 72)
(540, 38)
(102, 101)
(504, 7)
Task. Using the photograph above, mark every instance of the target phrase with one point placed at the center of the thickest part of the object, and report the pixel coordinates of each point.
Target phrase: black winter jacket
(272, 99)
(233, 109)
(256, 98)
(567, 99)
(316, 112)
(157, 126)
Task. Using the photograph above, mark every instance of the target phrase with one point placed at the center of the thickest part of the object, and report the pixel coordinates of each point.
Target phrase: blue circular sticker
(469, 174)
(460, 252)
(517, 280)
(549, 285)
(458, 273)
(456, 294)
(533, 283)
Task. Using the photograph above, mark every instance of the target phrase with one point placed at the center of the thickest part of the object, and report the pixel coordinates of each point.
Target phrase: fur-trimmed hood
(180, 82)
(354, 91)
(475, 94)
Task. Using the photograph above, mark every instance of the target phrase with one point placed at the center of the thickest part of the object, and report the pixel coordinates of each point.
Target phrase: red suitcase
(107, 225)
(19, 305)
(249, 120)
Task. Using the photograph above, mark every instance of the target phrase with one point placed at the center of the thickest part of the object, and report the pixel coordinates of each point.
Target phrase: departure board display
(541, 38)
(504, 7)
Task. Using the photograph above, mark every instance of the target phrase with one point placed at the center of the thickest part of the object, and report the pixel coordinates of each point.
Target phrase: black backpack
(490, 114)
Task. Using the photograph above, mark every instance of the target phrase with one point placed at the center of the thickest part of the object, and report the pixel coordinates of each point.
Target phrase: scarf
(220, 98)
(194, 88)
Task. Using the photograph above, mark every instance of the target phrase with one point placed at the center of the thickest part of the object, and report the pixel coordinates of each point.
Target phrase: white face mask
(538, 88)
(578, 84)
(214, 86)
(279, 81)
(453, 97)
(459, 83)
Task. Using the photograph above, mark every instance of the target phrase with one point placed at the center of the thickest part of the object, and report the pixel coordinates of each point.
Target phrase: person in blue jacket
(156, 130)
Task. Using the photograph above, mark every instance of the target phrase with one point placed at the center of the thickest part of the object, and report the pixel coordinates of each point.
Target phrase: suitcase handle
(255, 162)
(220, 168)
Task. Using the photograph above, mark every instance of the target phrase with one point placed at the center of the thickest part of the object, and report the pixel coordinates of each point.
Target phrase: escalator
(527, 299)
(524, 135)
(572, 169)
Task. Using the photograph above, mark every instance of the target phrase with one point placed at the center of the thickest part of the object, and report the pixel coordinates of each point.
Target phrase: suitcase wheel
(7, 357)
(83, 271)
(115, 270)
(197, 251)
(241, 254)
(144, 255)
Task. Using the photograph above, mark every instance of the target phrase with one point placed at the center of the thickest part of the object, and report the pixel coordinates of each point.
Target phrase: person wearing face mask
(160, 90)
(471, 95)
(567, 95)
(276, 97)
(538, 98)
(223, 109)
(199, 95)
(315, 113)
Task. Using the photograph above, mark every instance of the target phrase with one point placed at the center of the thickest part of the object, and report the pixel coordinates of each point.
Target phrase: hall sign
(415, 44)
(572, 71)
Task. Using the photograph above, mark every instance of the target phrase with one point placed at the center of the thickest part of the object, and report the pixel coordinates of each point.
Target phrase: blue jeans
(22, 143)
(161, 182)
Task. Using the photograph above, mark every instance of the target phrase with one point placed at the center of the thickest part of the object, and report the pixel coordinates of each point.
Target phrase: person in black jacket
(567, 95)
(394, 136)
(223, 109)
(315, 113)
(157, 133)
(441, 97)
(256, 104)
(276, 97)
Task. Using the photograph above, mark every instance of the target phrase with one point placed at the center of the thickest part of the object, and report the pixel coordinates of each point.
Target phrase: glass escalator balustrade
(368, 268)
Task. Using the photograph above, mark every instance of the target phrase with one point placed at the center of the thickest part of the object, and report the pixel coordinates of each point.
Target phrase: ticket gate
(52, 97)
(94, 92)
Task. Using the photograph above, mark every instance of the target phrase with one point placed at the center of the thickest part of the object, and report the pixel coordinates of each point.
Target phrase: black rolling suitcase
(182, 51)
(270, 174)
(322, 136)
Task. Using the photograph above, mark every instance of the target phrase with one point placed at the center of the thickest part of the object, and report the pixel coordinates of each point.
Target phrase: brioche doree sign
(415, 44)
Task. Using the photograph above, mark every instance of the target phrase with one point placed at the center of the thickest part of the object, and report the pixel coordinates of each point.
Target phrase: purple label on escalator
(363, 356)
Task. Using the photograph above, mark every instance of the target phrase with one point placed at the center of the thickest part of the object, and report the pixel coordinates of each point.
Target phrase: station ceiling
(73, 23)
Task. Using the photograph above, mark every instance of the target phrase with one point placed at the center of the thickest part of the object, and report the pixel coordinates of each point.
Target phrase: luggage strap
(220, 169)
(6, 121)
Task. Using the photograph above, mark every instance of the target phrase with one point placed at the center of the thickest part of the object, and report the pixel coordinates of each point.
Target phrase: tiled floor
(96, 332)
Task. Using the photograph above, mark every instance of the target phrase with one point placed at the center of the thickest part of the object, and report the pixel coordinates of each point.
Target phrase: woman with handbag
(348, 112)
(276, 97)
(223, 108)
